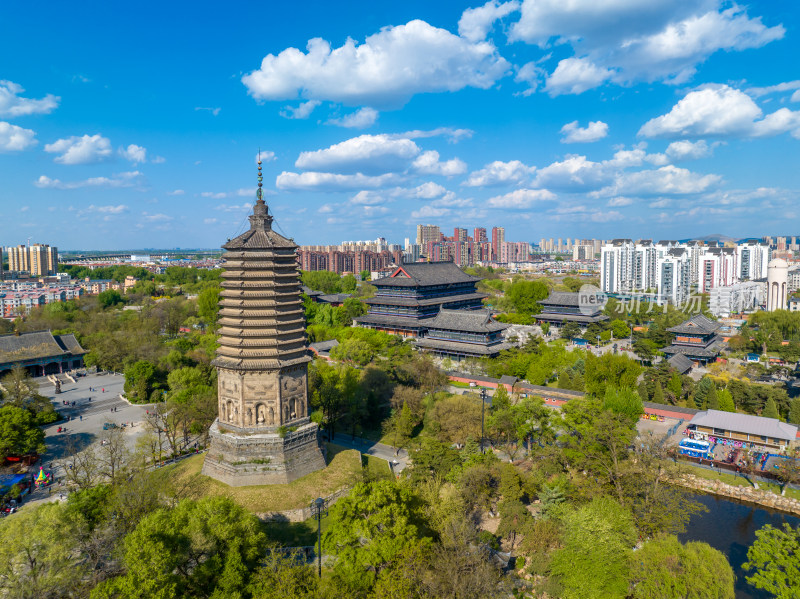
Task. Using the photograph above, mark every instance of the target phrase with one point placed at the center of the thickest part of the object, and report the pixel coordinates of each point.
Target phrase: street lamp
(319, 508)
(483, 407)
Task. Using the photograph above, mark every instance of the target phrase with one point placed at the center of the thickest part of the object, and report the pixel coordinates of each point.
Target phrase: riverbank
(749, 495)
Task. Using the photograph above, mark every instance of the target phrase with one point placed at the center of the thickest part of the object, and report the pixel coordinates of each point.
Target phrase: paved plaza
(97, 401)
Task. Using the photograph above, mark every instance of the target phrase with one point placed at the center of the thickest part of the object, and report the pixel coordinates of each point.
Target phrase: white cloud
(452, 135)
(575, 76)
(520, 199)
(757, 92)
(636, 157)
(12, 105)
(796, 96)
(629, 40)
(213, 195)
(14, 139)
(212, 110)
(264, 156)
(430, 212)
(156, 218)
(427, 191)
(176, 192)
(667, 180)
(595, 131)
(720, 111)
(574, 173)
(127, 179)
(385, 71)
(310, 181)
(619, 201)
(210, 221)
(134, 153)
(87, 149)
(360, 119)
(109, 209)
(303, 111)
(246, 192)
(687, 150)
(158, 160)
(451, 201)
(475, 23)
(428, 163)
(234, 207)
(499, 173)
(368, 154)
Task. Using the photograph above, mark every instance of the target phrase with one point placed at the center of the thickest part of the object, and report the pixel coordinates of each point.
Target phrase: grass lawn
(344, 470)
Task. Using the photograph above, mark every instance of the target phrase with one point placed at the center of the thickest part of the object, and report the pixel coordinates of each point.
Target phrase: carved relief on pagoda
(229, 391)
(293, 394)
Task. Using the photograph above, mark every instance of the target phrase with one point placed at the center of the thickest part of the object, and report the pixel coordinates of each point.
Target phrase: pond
(731, 527)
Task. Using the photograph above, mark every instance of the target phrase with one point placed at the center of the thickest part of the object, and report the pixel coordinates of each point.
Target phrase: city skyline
(680, 124)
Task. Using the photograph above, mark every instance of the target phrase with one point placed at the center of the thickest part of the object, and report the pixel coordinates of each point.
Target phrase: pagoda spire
(261, 219)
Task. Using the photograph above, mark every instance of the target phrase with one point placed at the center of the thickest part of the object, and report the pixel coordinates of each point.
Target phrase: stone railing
(758, 497)
(301, 514)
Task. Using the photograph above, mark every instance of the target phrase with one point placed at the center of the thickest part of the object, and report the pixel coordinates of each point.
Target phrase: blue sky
(129, 125)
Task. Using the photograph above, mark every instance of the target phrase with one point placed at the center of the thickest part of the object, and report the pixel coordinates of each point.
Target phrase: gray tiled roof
(38, 344)
(470, 321)
(680, 363)
(323, 346)
(383, 300)
(700, 352)
(697, 324)
(579, 318)
(745, 423)
(560, 298)
(462, 348)
(70, 344)
(426, 273)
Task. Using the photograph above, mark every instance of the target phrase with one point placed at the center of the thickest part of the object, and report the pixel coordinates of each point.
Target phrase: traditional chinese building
(464, 334)
(697, 339)
(562, 307)
(406, 301)
(263, 434)
(40, 353)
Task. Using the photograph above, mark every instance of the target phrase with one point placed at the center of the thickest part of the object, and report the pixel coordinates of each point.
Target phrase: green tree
(770, 409)
(774, 559)
(643, 394)
(19, 434)
(208, 304)
(197, 549)
(456, 417)
(570, 331)
(37, 558)
(365, 275)
(623, 401)
(675, 385)
(712, 400)
(545, 326)
(524, 296)
(615, 370)
(140, 380)
(794, 411)
(109, 298)
(371, 529)
(620, 329)
(598, 540)
(726, 401)
(349, 284)
(658, 394)
(666, 569)
(282, 576)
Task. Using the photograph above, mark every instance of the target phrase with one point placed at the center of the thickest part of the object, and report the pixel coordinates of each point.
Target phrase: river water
(731, 527)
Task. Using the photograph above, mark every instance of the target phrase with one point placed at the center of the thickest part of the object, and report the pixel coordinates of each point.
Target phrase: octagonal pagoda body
(263, 434)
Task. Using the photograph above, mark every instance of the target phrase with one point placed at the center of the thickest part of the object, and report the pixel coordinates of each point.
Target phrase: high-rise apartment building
(38, 260)
(479, 235)
(428, 233)
(498, 237)
(752, 258)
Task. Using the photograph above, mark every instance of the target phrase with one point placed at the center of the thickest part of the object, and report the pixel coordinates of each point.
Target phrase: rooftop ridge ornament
(260, 220)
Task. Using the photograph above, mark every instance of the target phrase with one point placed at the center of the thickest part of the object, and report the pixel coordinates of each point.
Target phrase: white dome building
(777, 284)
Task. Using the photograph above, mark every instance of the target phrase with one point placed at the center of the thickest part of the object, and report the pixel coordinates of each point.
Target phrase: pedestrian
(104, 389)
(81, 417)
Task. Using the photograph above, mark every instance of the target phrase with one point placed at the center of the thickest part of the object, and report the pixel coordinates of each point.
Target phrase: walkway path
(398, 458)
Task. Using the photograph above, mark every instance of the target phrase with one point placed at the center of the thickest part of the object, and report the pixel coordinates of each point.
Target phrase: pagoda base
(241, 459)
